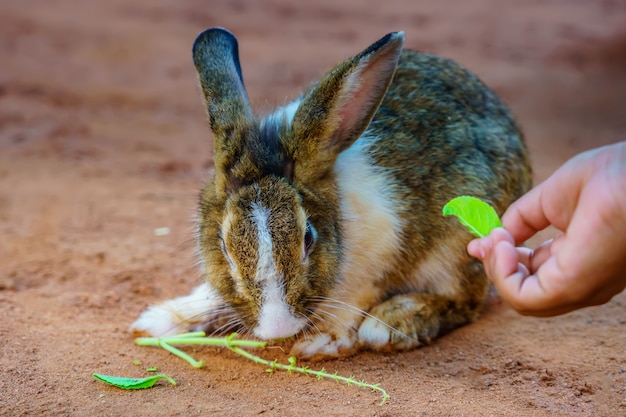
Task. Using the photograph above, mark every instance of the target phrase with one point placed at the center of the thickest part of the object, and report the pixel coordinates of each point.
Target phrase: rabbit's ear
(216, 58)
(338, 109)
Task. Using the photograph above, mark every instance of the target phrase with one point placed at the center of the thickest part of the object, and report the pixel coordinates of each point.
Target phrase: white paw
(178, 315)
(323, 345)
(374, 334)
(157, 321)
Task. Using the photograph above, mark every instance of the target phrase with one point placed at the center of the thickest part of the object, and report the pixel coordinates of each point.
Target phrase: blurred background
(90, 78)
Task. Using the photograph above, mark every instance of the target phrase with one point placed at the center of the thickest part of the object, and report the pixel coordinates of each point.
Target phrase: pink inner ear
(352, 103)
(360, 92)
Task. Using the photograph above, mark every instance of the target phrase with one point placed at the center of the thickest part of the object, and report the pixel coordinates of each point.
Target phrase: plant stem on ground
(232, 343)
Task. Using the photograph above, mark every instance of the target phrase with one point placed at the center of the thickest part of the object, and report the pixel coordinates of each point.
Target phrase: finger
(498, 235)
(506, 272)
(503, 262)
(525, 256)
(525, 217)
(556, 243)
(482, 248)
(476, 247)
(545, 292)
(540, 255)
(511, 269)
(544, 205)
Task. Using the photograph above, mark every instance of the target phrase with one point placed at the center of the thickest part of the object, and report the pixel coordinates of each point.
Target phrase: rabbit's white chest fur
(371, 224)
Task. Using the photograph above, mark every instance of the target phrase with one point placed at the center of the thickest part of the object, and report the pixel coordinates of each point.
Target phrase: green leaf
(133, 383)
(476, 215)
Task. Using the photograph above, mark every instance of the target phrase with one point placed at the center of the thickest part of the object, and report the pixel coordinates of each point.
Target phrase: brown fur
(437, 131)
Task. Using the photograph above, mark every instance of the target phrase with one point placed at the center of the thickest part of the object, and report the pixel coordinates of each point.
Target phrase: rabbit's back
(440, 133)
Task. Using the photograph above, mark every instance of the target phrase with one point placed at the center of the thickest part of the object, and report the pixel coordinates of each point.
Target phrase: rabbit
(323, 219)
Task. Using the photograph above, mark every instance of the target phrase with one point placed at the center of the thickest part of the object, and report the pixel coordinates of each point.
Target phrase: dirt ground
(103, 139)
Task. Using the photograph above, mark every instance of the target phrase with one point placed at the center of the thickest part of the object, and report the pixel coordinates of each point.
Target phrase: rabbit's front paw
(181, 314)
(325, 346)
(156, 321)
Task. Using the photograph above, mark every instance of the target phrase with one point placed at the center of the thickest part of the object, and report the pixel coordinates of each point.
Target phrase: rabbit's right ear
(216, 58)
(338, 109)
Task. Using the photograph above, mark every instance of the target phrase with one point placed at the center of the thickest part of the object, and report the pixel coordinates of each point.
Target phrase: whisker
(233, 324)
(336, 320)
(202, 319)
(338, 304)
(311, 323)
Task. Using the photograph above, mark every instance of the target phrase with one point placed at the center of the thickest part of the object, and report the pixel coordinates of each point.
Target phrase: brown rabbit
(324, 218)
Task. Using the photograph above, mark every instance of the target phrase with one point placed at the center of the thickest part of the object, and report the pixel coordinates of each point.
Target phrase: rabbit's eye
(310, 235)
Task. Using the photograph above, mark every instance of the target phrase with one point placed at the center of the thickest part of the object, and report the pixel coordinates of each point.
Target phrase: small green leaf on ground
(133, 383)
(151, 369)
(477, 216)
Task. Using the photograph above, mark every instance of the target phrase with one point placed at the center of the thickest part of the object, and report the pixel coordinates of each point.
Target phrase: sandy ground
(103, 139)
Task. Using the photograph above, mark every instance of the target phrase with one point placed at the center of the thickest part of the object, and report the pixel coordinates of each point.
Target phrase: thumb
(483, 247)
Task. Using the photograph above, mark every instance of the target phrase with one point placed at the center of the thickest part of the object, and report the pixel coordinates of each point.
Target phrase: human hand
(585, 264)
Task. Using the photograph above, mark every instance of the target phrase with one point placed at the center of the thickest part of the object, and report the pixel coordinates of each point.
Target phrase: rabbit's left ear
(216, 58)
(338, 109)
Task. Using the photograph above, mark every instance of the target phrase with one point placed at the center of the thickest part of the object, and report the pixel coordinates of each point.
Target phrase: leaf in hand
(476, 215)
(133, 383)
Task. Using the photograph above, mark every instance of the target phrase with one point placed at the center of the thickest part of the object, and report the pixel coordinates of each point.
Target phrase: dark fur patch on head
(257, 154)
(269, 153)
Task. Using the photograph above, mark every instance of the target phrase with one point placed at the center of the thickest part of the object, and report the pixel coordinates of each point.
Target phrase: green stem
(195, 338)
(306, 371)
(230, 342)
(198, 338)
(181, 354)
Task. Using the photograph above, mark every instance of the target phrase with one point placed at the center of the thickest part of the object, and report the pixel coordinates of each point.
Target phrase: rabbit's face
(266, 245)
(270, 221)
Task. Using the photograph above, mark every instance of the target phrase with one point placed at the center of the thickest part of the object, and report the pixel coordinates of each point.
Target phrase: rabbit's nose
(277, 322)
